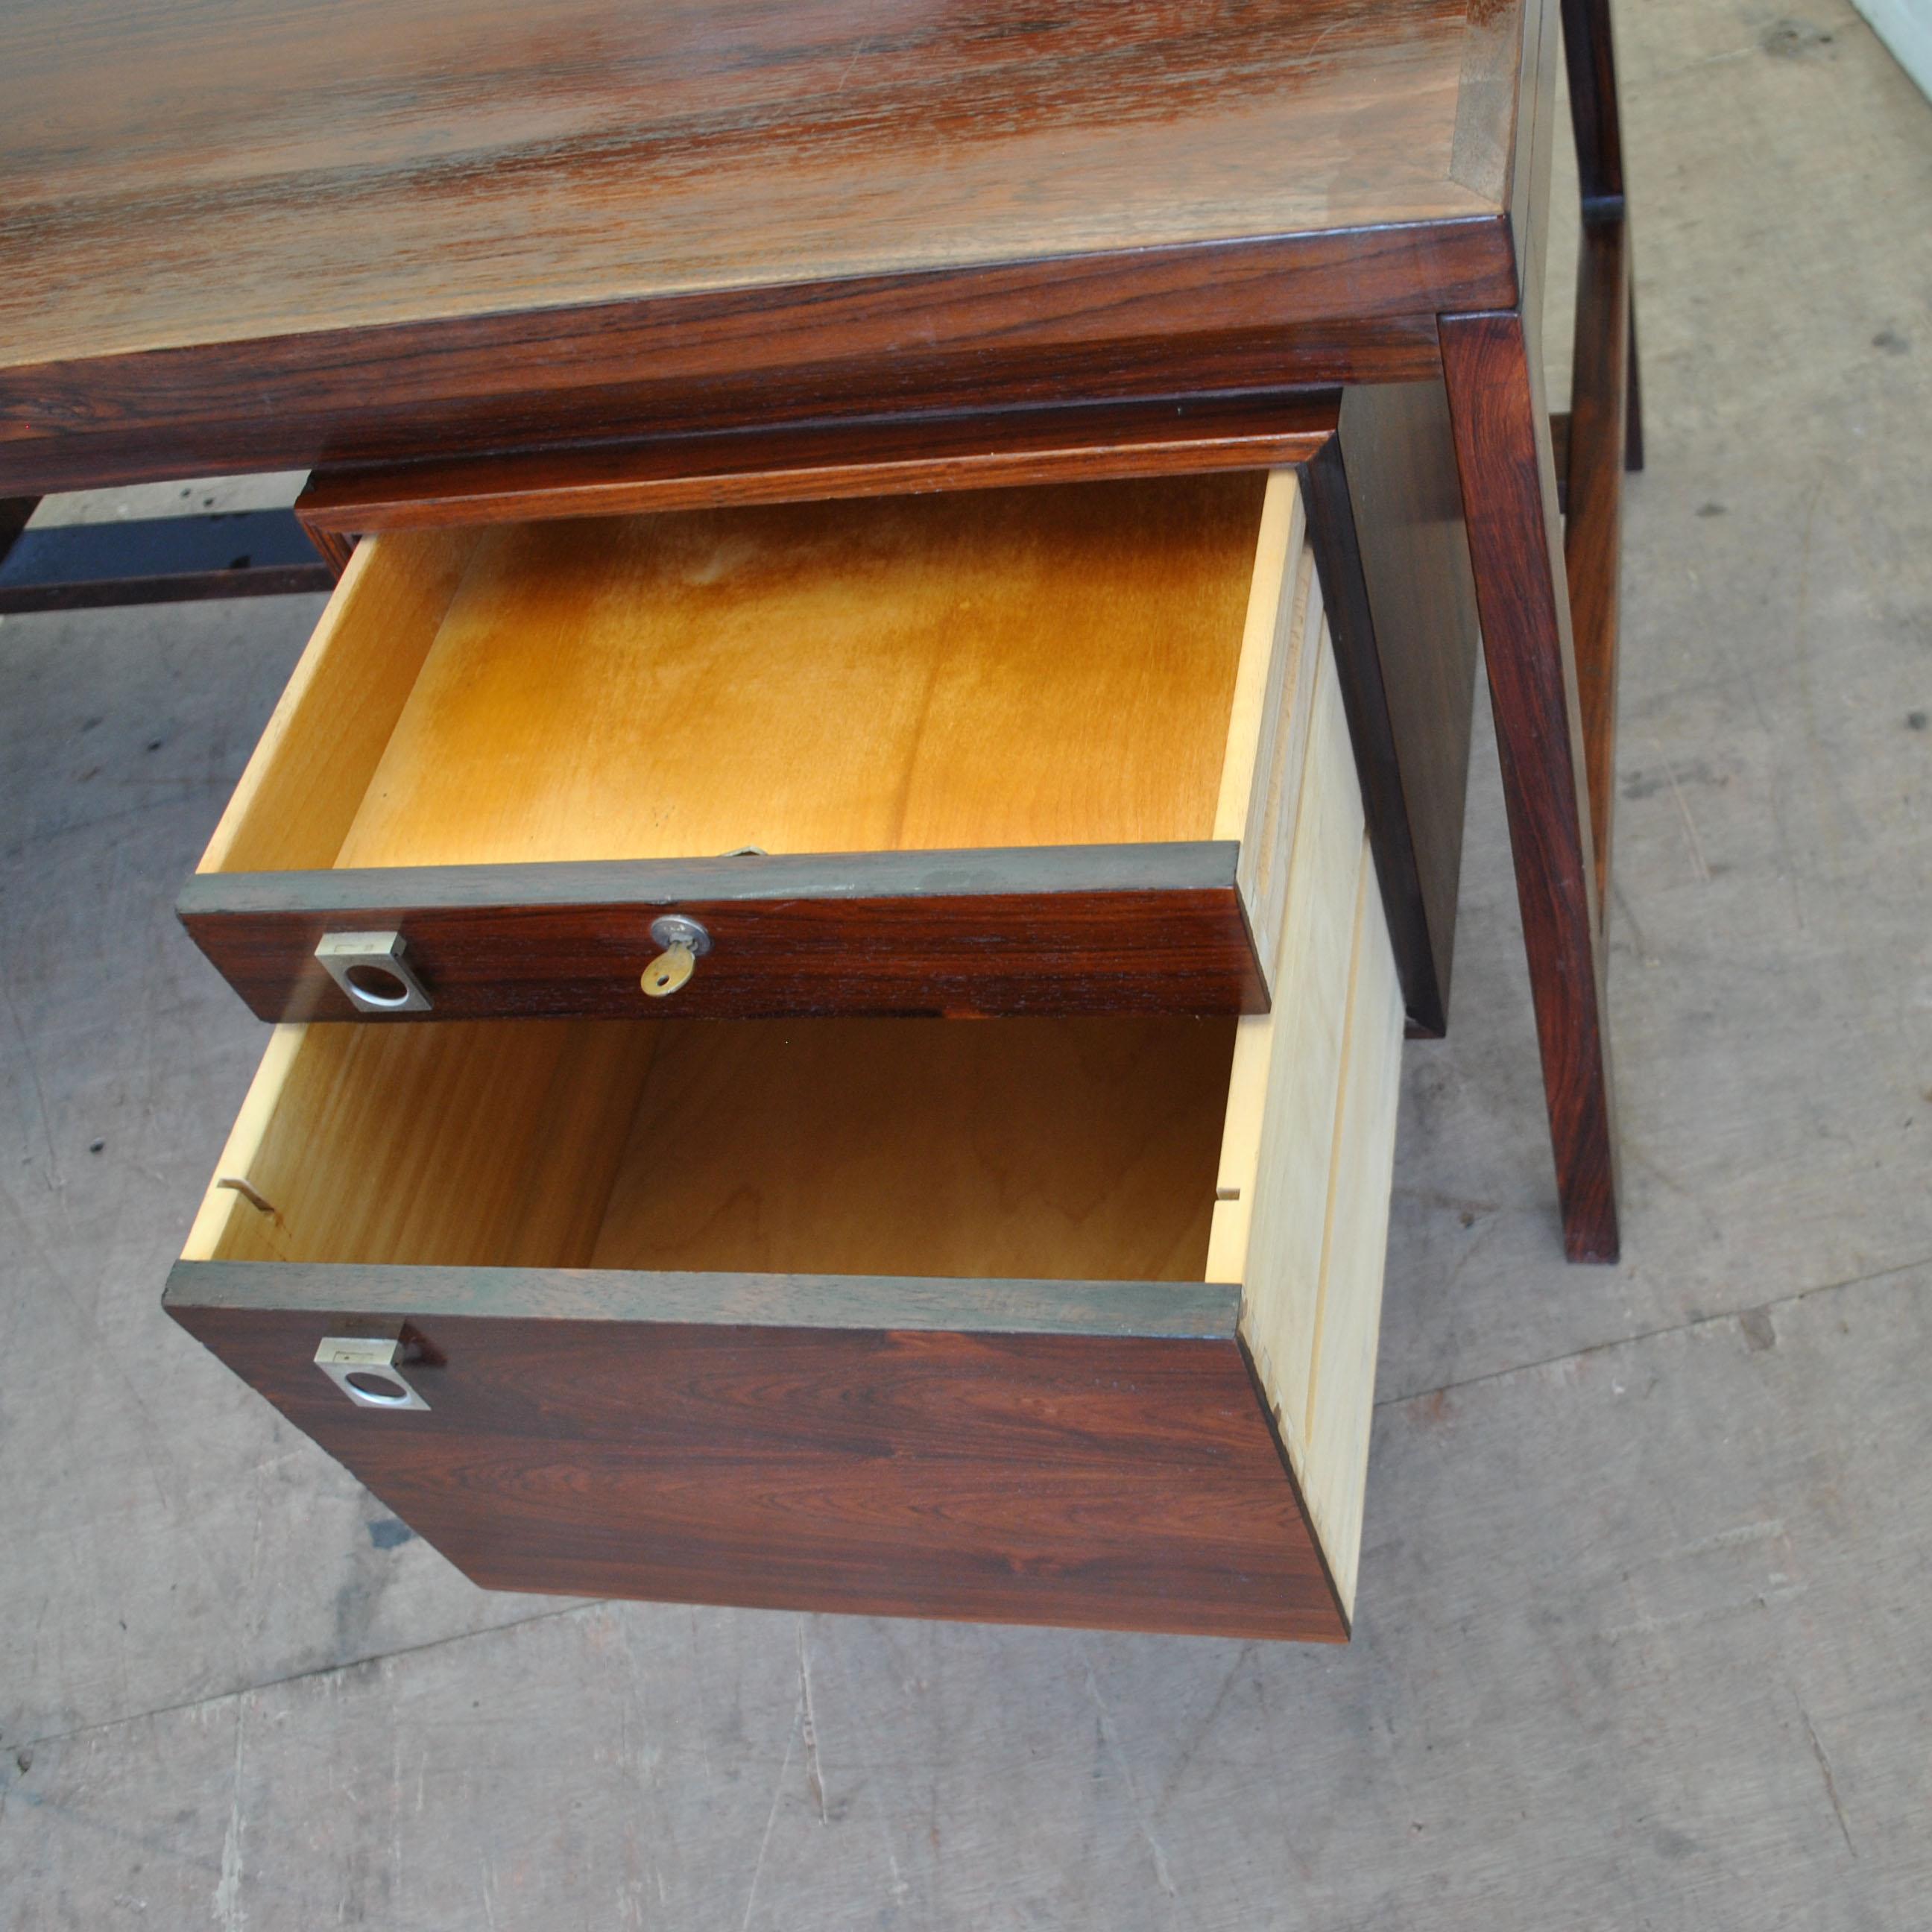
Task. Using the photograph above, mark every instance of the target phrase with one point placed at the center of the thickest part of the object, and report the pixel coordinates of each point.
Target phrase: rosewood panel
(246, 248)
(1126, 929)
(1163, 436)
(1063, 332)
(1509, 492)
(878, 1461)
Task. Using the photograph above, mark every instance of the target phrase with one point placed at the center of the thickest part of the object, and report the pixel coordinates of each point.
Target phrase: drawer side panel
(300, 790)
(1342, 1385)
(1267, 845)
(1287, 1205)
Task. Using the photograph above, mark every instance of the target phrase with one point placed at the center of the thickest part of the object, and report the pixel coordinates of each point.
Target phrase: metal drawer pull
(370, 967)
(365, 1368)
(685, 942)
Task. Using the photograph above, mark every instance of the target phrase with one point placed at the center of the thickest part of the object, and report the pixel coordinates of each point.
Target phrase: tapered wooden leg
(1596, 114)
(1589, 54)
(14, 511)
(1509, 496)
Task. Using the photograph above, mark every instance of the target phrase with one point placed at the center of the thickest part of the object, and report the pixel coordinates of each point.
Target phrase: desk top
(213, 181)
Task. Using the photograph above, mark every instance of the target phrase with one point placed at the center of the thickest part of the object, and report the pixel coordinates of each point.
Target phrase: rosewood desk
(687, 251)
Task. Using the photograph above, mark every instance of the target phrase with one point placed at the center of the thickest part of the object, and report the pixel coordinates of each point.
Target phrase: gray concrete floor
(1642, 1638)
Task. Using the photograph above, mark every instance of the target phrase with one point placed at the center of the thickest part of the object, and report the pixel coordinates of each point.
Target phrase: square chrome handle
(370, 967)
(367, 1369)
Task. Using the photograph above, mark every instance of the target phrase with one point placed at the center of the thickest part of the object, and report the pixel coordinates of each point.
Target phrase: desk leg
(1596, 114)
(14, 511)
(1593, 536)
(1508, 474)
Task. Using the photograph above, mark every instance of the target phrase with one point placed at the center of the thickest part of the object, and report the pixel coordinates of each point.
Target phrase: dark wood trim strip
(857, 457)
(1593, 538)
(1633, 405)
(1509, 492)
(159, 560)
(1266, 1405)
(1156, 321)
(1174, 1310)
(972, 955)
(334, 547)
(1194, 865)
(1338, 560)
(1386, 520)
(1073, 929)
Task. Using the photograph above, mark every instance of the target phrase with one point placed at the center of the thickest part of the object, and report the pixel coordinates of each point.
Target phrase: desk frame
(383, 413)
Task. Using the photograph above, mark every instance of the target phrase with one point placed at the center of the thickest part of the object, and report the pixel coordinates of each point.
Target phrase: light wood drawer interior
(1182, 1182)
(1076, 1149)
(1098, 669)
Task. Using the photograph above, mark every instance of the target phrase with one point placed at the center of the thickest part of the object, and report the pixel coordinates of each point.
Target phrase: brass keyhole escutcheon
(685, 942)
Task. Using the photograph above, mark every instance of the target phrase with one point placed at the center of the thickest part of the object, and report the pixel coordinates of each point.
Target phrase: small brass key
(669, 971)
(685, 942)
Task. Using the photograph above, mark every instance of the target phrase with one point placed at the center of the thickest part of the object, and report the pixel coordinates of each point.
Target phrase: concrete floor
(1642, 1638)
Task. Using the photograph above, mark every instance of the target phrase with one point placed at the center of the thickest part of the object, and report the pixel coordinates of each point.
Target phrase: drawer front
(1000, 752)
(1139, 929)
(696, 1442)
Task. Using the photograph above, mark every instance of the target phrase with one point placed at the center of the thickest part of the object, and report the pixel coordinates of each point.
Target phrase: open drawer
(990, 751)
(1066, 1320)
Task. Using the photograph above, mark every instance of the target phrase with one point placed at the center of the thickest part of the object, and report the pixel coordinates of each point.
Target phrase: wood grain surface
(1589, 48)
(883, 457)
(259, 170)
(267, 236)
(1100, 1479)
(1387, 530)
(1050, 666)
(1509, 489)
(1093, 929)
(1085, 1149)
(1273, 1234)
(300, 790)
(1302, 1186)
(676, 1360)
(873, 699)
